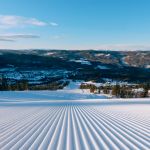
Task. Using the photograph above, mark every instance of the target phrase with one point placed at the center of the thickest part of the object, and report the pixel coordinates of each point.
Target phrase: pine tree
(4, 83)
(116, 90)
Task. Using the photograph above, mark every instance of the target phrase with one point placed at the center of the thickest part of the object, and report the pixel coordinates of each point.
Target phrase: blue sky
(75, 24)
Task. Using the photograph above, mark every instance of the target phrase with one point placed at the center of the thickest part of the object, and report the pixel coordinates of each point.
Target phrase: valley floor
(28, 121)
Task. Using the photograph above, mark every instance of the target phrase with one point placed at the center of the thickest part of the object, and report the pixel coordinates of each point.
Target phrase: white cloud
(14, 37)
(57, 37)
(6, 40)
(53, 24)
(10, 21)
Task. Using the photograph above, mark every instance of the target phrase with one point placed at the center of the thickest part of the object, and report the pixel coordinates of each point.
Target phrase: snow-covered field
(69, 120)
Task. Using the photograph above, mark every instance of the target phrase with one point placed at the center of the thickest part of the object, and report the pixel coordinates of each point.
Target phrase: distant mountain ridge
(39, 66)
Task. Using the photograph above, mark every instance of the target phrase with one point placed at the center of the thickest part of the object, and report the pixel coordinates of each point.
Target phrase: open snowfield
(48, 120)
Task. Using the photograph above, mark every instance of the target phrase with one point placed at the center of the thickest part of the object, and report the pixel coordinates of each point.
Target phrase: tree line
(23, 85)
(120, 91)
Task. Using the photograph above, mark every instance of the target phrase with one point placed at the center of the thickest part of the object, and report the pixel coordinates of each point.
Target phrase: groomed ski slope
(74, 124)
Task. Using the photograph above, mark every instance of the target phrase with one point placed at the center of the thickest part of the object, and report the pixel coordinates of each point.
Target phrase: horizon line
(75, 49)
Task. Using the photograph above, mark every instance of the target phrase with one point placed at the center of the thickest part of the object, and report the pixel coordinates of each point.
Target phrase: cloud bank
(15, 37)
(10, 21)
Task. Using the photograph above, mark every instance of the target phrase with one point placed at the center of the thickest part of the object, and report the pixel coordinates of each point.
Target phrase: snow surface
(82, 61)
(102, 67)
(70, 119)
(49, 53)
(71, 92)
(148, 66)
(32, 76)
